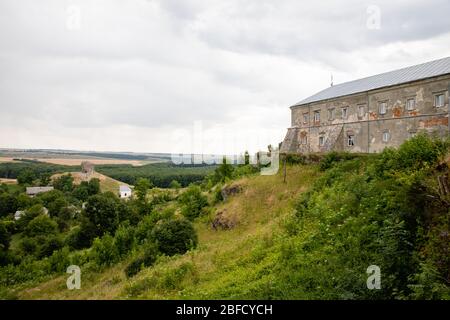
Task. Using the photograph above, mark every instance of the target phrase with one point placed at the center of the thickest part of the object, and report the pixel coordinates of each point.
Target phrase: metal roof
(36, 190)
(413, 73)
(124, 189)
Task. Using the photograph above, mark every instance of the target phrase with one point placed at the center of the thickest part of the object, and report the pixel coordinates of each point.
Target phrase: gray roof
(404, 75)
(36, 190)
(124, 189)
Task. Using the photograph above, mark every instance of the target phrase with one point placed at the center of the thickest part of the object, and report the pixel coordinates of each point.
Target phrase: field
(78, 161)
(8, 181)
(106, 183)
(6, 159)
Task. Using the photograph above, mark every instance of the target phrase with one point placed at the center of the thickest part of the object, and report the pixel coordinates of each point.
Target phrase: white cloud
(131, 73)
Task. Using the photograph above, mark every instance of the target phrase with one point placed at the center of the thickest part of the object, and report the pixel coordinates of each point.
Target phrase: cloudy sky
(193, 75)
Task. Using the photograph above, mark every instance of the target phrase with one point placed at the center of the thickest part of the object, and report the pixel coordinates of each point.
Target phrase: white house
(125, 191)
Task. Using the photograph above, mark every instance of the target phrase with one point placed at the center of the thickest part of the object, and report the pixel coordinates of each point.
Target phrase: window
(316, 116)
(386, 136)
(361, 111)
(304, 139)
(305, 118)
(331, 114)
(383, 107)
(410, 104)
(350, 140)
(344, 112)
(321, 141)
(439, 100)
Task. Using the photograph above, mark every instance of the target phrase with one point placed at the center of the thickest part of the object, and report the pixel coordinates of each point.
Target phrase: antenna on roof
(331, 84)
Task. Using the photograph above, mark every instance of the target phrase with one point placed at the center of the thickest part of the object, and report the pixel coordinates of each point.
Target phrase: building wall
(365, 122)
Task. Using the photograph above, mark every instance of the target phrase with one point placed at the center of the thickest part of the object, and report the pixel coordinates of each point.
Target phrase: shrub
(41, 225)
(5, 237)
(147, 259)
(174, 236)
(81, 236)
(64, 183)
(175, 184)
(103, 211)
(124, 240)
(51, 244)
(60, 260)
(192, 201)
(8, 204)
(104, 252)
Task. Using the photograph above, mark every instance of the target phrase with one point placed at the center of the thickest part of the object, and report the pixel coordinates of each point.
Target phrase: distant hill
(106, 183)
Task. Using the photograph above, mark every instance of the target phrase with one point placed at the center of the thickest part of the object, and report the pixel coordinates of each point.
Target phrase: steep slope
(226, 262)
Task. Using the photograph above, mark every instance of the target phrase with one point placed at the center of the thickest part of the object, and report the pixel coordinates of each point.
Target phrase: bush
(147, 259)
(60, 260)
(175, 184)
(124, 240)
(104, 252)
(174, 236)
(64, 183)
(192, 201)
(8, 204)
(81, 236)
(103, 211)
(41, 225)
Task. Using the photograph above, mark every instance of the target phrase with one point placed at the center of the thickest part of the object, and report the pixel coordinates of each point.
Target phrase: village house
(32, 191)
(372, 113)
(124, 191)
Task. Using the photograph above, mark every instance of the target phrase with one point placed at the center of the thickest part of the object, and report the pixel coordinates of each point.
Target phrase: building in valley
(124, 191)
(369, 114)
(32, 191)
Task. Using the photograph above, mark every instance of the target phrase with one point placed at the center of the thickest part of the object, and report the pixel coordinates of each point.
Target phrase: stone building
(369, 114)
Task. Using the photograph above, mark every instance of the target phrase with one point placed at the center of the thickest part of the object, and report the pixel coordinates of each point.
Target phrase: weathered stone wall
(365, 122)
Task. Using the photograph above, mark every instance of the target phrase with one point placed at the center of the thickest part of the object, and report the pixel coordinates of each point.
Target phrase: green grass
(226, 264)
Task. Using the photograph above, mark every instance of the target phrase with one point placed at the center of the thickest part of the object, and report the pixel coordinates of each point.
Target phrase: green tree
(41, 225)
(94, 186)
(246, 158)
(45, 179)
(175, 184)
(64, 183)
(104, 251)
(141, 188)
(223, 172)
(124, 240)
(103, 211)
(56, 206)
(26, 177)
(8, 204)
(192, 201)
(175, 236)
(5, 237)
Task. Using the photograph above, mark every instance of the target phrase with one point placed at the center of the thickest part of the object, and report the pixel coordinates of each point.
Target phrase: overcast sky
(193, 75)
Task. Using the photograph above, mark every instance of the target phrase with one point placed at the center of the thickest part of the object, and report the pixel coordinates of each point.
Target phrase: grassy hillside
(106, 183)
(313, 237)
(224, 258)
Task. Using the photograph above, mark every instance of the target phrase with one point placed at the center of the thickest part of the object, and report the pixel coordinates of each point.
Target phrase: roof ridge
(384, 79)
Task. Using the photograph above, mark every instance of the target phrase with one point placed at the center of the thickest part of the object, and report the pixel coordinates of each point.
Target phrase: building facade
(372, 113)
